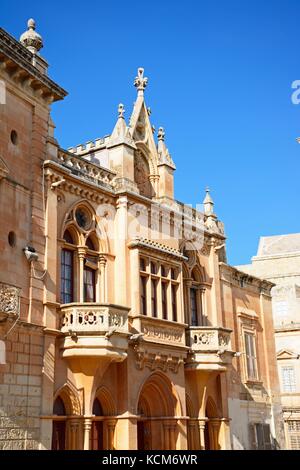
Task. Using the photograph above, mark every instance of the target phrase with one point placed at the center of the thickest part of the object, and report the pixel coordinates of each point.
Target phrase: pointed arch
(211, 408)
(70, 399)
(190, 410)
(107, 403)
(159, 396)
(96, 228)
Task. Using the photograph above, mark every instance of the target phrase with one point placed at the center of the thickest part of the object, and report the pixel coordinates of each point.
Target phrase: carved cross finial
(121, 110)
(207, 190)
(140, 82)
(161, 134)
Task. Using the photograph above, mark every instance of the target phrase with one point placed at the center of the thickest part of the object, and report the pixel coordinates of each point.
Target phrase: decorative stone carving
(164, 334)
(3, 169)
(140, 82)
(157, 361)
(121, 110)
(96, 319)
(31, 39)
(9, 301)
(141, 174)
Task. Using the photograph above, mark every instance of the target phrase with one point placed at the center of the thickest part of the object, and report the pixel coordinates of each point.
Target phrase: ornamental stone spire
(140, 82)
(31, 39)
(161, 134)
(208, 203)
(121, 110)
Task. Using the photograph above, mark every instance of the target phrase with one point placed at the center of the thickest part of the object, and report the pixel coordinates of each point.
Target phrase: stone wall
(21, 389)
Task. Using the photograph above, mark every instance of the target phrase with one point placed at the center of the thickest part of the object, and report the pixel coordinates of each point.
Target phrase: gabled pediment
(286, 354)
(141, 129)
(3, 169)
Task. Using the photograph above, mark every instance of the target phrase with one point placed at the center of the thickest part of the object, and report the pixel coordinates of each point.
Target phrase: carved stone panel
(9, 300)
(141, 174)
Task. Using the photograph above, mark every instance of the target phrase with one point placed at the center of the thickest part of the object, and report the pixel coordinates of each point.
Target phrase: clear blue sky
(220, 75)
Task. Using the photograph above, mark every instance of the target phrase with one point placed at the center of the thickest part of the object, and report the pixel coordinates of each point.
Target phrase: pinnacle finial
(208, 202)
(140, 82)
(161, 134)
(121, 110)
(31, 39)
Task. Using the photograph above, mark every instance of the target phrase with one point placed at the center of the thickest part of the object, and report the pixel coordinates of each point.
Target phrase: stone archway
(193, 438)
(103, 423)
(158, 406)
(212, 426)
(65, 425)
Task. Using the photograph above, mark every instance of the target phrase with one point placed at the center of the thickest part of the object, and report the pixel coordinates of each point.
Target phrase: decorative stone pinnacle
(208, 202)
(121, 110)
(149, 111)
(140, 82)
(31, 39)
(161, 134)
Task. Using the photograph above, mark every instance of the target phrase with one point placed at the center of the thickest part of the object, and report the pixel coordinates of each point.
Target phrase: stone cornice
(234, 276)
(152, 245)
(11, 49)
(76, 185)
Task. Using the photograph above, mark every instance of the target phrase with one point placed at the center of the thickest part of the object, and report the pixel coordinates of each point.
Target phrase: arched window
(68, 237)
(78, 270)
(59, 426)
(196, 309)
(97, 427)
(66, 276)
(90, 244)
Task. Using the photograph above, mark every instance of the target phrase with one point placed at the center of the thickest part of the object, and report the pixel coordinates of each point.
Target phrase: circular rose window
(83, 218)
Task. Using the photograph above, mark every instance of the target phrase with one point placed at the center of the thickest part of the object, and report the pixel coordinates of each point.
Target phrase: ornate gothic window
(80, 270)
(141, 174)
(159, 283)
(67, 271)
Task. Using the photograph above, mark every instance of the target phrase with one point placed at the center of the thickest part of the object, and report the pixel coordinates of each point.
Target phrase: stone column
(81, 256)
(215, 428)
(201, 424)
(166, 428)
(135, 281)
(110, 427)
(188, 284)
(74, 427)
(102, 265)
(203, 306)
(87, 427)
(121, 238)
(172, 429)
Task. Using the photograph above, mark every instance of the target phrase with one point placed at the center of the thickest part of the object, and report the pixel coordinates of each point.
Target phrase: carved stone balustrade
(210, 348)
(85, 169)
(92, 329)
(158, 344)
(9, 301)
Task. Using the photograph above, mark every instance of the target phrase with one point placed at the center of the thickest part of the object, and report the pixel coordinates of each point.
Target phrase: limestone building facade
(278, 260)
(121, 324)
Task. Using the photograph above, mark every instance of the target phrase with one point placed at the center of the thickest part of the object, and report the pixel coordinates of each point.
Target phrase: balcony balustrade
(92, 329)
(210, 348)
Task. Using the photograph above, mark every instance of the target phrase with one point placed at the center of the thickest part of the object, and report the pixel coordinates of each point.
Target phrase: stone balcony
(9, 301)
(94, 330)
(210, 348)
(158, 344)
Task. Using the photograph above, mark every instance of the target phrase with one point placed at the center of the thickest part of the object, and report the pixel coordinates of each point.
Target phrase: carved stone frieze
(9, 300)
(164, 334)
(157, 361)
